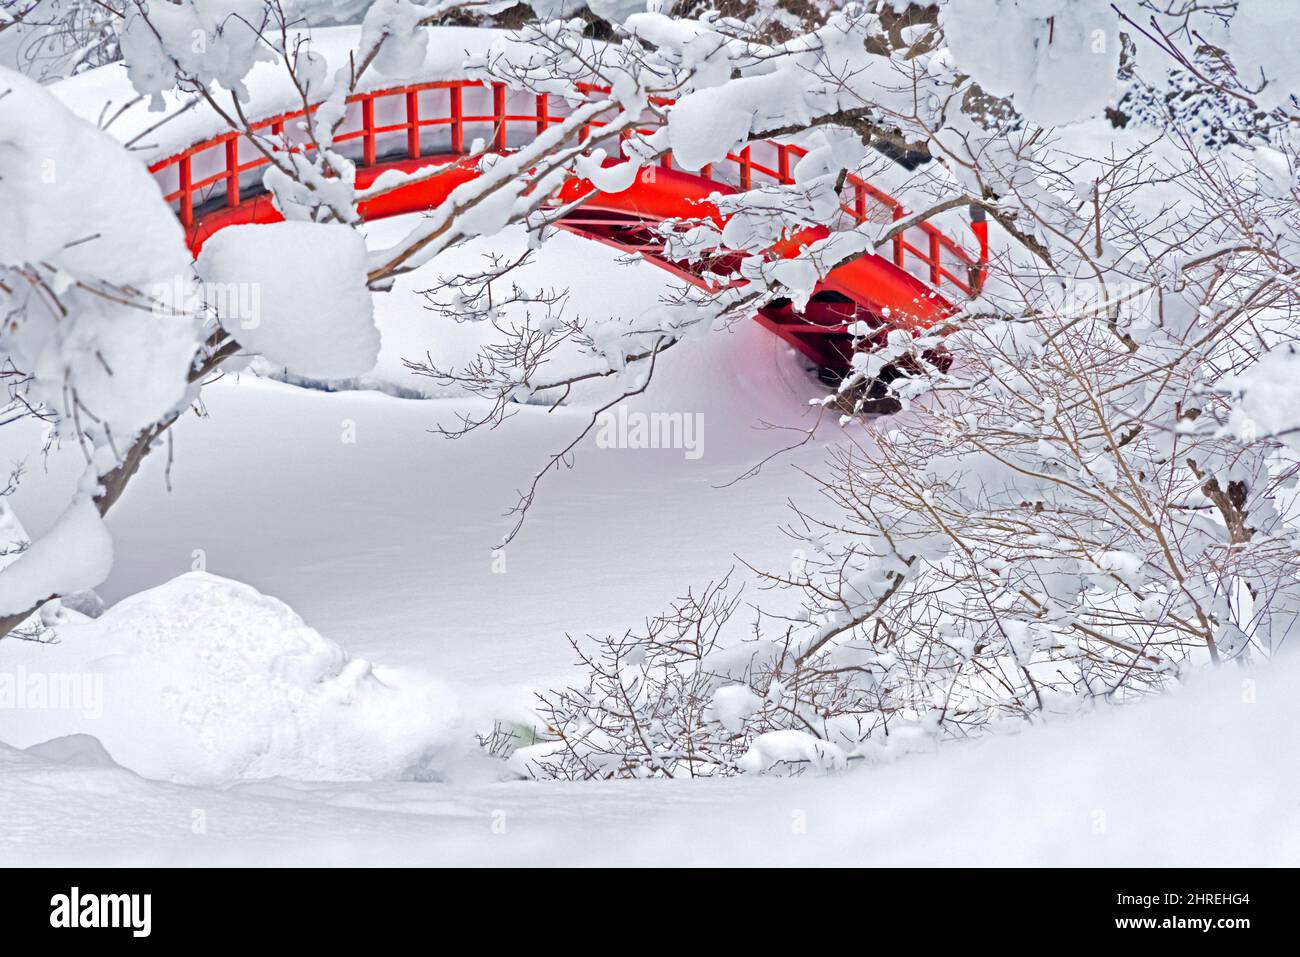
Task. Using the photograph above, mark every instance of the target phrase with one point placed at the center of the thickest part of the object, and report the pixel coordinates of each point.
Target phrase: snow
(128, 365)
(711, 124)
(231, 685)
(732, 704)
(352, 532)
(1057, 59)
(52, 170)
(611, 179)
(313, 313)
(1260, 42)
(380, 534)
(383, 547)
(1269, 404)
(788, 747)
(89, 341)
(410, 331)
(1111, 789)
(92, 353)
(76, 554)
(106, 95)
(212, 42)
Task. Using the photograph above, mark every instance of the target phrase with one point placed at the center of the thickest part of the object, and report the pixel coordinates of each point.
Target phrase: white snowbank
(206, 680)
(1206, 776)
(311, 311)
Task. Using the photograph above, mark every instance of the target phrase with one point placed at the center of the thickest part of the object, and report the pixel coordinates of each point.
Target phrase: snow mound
(303, 289)
(77, 750)
(230, 684)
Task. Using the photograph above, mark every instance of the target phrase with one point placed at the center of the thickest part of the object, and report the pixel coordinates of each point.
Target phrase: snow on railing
(436, 119)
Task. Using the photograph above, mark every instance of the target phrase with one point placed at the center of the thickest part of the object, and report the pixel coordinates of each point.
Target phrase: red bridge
(217, 183)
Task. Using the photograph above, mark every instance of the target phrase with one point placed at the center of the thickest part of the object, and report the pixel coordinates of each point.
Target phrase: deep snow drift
(1203, 777)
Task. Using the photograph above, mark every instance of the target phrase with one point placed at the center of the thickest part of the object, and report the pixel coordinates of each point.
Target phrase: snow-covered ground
(1199, 778)
(381, 534)
(349, 738)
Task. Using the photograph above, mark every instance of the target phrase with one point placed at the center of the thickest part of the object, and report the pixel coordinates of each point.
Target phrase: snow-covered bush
(85, 348)
(1097, 495)
(647, 708)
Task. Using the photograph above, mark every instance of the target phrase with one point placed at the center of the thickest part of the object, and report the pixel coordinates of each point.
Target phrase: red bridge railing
(428, 119)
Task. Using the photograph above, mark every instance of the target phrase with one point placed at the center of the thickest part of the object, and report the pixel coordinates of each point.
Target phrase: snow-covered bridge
(444, 123)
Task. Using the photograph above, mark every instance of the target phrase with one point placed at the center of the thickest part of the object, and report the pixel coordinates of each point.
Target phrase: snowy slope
(1203, 777)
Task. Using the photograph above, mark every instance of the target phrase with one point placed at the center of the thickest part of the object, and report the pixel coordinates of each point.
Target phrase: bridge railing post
(232, 170)
(499, 116)
(186, 198)
(368, 130)
(936, 255)
(979, 225)
(898, 240)
(456, 110)
(543, 113)
(413, 124)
